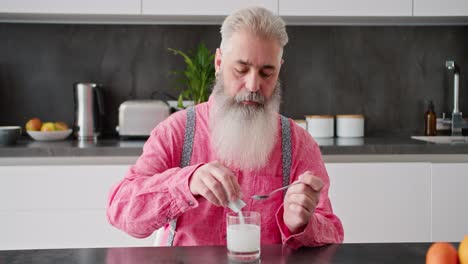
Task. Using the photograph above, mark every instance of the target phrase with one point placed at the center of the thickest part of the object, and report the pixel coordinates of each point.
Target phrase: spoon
(266, 196)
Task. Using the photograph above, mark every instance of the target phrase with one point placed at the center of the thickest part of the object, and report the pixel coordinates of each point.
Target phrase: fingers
(313, 181)
(216, 183)
(311, 184)
(208, 195)
(298, 209)
(295, 217)
(308, 203)
(299, 214)
(228, 181)
(301, 200)
(301, 205)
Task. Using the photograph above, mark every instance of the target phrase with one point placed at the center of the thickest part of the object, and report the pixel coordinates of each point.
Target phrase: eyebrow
(265, 66)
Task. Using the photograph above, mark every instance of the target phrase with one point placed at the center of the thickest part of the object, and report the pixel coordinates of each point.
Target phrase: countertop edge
(130, 160)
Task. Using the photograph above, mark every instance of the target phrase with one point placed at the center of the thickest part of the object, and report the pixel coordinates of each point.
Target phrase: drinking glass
(243, 236)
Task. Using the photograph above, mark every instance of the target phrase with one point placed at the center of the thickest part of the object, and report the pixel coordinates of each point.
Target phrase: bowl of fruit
(47, 131)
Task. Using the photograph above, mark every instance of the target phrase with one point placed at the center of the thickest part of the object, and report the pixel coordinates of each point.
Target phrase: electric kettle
(89, 111)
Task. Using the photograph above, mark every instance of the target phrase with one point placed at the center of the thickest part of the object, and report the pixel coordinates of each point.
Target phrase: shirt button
(191, 203)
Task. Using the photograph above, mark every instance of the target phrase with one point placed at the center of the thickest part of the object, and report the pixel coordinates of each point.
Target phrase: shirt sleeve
(155, 190)
(324, 226)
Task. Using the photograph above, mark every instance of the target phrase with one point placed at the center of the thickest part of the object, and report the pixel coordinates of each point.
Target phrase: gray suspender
(187, 154)
(286, 150)
(188, 138)
(185, 161)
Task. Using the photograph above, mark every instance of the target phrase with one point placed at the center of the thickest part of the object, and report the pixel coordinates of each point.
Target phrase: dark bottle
(430, 120)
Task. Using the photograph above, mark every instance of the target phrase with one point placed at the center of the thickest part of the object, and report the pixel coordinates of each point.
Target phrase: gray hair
(259, 21)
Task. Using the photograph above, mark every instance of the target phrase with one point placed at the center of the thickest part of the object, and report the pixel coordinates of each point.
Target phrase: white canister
(350, 126)
(320, 126)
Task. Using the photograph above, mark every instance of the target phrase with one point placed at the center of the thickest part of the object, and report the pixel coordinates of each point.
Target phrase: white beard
(244, 135)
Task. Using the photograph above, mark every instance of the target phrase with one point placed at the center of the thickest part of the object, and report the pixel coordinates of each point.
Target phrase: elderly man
(234, 146)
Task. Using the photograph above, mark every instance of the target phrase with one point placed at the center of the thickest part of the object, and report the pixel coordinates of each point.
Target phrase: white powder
(241, 218)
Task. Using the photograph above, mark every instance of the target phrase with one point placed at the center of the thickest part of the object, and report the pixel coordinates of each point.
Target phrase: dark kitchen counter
(338, 253)
(337, 146)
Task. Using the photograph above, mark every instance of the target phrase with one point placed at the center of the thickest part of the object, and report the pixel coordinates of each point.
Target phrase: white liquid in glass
(243, 238)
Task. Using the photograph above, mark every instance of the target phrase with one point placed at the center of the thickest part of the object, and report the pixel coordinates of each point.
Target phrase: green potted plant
(197, 77)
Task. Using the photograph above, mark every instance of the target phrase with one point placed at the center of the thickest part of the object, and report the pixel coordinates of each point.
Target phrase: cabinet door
(62, 228)
(440, 7)
(202, 7)
(59, 207)
(382, 202)
(71, 6)
(345, 8)
(449, 202)
(57, 187)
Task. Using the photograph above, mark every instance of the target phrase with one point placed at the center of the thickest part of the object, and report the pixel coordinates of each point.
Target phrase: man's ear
(281, 64)
(218, 60)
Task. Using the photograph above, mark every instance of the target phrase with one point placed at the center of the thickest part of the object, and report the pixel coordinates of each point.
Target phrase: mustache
(250, 96)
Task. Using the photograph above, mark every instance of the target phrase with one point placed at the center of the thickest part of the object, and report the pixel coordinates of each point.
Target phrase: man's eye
(265, 74)
(241, 71)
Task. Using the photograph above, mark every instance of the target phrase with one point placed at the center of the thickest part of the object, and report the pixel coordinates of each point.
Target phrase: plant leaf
(198, 75)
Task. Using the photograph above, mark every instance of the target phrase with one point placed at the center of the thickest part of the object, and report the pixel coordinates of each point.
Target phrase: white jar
(320, 126)
(350, 126)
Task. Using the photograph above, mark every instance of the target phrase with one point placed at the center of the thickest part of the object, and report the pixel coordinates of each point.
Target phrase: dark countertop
(338, 253)
(337, 146)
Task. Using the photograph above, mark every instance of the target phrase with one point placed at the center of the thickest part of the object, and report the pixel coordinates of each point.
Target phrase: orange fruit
(61, 126)
(441, 253)
(463, 251)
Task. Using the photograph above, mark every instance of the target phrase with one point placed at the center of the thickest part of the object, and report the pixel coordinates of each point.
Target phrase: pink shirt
(156, 190)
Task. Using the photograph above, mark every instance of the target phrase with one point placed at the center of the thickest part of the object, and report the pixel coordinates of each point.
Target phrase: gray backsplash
(382, 72)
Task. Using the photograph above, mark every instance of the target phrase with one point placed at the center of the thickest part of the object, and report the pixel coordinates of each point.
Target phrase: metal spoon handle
(284, 187)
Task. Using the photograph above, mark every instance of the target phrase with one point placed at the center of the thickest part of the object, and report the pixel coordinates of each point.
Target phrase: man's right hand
(216, 183)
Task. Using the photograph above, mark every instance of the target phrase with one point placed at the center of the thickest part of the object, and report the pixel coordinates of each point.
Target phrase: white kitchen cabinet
(345, 8)
(59, 207)
(202, 7)
(64, 206)
(382, 202)
(115, 7)
(449, 201)
(77, 228)
(440, 7)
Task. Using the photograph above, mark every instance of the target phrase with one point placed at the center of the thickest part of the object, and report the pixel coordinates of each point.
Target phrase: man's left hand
(300, 202)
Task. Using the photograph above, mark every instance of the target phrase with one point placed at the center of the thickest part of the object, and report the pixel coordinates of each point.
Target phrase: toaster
(137, 118)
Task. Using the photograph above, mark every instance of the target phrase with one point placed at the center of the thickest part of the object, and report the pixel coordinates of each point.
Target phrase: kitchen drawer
(382, 202)
(449, 201)
(75, 228)
(57, 187)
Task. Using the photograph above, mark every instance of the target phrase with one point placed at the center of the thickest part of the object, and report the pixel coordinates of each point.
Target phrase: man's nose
(252, 83)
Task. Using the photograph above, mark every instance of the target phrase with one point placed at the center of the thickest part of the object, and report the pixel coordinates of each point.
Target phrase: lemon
(49, 126)
(463, 251)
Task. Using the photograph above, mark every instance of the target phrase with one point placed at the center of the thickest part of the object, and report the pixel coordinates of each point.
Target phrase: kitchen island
(369, 172)
(336, 253)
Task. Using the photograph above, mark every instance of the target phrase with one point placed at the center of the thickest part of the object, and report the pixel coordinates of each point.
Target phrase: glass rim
(245, 214)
